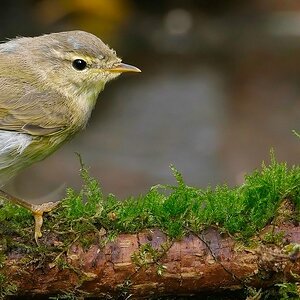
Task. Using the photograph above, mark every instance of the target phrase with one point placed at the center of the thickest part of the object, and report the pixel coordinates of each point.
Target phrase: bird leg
(36, 210)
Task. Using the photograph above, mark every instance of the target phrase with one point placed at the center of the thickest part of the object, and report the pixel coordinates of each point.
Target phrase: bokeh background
(220, 87)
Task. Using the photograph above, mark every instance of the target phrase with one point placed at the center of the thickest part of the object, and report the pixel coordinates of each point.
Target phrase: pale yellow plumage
(48, 88)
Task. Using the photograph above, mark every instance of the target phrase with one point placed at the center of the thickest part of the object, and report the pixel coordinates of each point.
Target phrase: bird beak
(121, 68)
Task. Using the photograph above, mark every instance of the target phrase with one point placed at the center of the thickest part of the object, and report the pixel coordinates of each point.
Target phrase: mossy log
(148, 263)
(202, 240)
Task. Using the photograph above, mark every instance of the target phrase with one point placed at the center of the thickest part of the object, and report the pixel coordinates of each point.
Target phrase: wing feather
(23, 108)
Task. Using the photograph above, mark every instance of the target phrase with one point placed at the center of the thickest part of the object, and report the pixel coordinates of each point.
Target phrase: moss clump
(241, 211)
(288, 291)
(12, 218)
(6, 288)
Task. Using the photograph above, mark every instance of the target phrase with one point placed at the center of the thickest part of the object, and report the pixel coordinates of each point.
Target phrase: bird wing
(25, 109)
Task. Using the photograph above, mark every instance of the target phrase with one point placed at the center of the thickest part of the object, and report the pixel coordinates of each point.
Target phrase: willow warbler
(48, 88)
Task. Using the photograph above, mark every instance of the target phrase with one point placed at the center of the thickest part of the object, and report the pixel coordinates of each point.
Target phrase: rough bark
(130, 265)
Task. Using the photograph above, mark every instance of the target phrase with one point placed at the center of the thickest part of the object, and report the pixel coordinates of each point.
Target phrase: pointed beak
(121, 68)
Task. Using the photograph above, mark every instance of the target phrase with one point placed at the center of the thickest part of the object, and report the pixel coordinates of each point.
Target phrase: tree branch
(148, 263)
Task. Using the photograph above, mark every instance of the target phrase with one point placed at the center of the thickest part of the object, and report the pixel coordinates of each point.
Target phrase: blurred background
(220, 87)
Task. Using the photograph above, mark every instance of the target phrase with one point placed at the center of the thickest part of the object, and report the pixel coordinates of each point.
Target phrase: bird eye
(79, 64)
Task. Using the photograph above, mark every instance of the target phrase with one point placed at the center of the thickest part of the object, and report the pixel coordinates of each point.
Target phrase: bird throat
(85, 103)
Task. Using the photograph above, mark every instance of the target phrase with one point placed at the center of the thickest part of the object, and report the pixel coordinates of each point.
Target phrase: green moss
(241, 211)
(288, 291)
(12, 218)
(146, 256)
(275, 238)
(6, 288)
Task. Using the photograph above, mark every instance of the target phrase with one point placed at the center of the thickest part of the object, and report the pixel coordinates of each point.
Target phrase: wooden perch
(148, 263)
(78, 257)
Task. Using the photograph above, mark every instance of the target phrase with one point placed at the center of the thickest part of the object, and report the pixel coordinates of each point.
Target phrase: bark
(130, 266)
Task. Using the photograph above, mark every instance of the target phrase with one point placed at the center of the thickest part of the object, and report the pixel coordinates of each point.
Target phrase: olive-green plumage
(48, 88)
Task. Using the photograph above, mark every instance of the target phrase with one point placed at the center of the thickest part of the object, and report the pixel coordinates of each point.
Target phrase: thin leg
(37, 211)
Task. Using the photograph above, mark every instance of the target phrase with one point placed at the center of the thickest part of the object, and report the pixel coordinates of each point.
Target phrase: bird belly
(12, 146)
(20, 150)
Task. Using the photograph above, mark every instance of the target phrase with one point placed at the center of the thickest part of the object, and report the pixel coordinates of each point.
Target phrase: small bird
(49, 85)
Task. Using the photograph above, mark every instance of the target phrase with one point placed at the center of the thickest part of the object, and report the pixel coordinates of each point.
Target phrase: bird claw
(38, 211)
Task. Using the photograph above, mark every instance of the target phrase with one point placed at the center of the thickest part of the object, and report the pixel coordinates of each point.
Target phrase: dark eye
(79, 64)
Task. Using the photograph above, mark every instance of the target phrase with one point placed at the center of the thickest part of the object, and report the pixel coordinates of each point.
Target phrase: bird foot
(38, 211)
